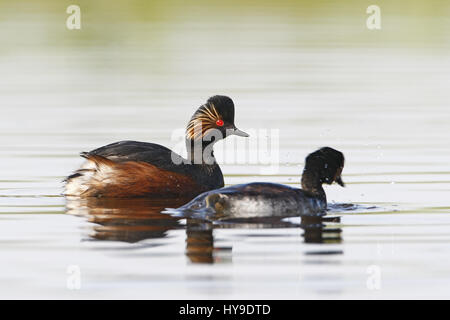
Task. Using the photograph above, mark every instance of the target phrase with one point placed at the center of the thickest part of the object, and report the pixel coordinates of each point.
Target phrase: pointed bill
(237, 132)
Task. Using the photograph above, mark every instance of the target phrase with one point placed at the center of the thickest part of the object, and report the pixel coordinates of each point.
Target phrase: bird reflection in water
(134, 220)
(200, 246)
(200, 242)
(126, 220)
(321, 230)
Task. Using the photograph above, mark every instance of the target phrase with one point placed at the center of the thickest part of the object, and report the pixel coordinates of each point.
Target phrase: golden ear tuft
(204, 119)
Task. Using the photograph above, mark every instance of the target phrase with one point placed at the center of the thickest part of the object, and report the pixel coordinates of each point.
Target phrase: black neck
(312, 183)
(200, 152)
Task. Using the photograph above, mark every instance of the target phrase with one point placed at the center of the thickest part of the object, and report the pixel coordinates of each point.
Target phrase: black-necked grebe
(269, 199)
(138, 169)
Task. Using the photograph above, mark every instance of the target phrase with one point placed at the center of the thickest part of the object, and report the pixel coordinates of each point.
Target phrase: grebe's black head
(215, 117)
(326, 164)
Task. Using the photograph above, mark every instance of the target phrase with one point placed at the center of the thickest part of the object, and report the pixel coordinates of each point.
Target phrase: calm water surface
(312, 71)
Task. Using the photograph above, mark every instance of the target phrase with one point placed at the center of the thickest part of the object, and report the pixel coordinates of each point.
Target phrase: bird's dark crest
(327, 162)
(205, 118)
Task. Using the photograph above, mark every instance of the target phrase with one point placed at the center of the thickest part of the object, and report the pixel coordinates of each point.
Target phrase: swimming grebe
(137, 169)
(270, 199)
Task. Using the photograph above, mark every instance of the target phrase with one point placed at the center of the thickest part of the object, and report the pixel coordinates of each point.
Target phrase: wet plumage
(270, 199)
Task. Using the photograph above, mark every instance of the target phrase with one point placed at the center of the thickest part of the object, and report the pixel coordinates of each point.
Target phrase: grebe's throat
(312, 183)
(200, 152)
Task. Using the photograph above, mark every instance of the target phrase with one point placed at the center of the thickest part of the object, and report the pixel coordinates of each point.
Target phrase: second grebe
(270, 199)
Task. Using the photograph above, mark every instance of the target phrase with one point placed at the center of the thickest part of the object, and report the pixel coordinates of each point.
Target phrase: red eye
(219, 122)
